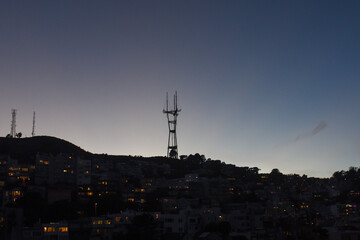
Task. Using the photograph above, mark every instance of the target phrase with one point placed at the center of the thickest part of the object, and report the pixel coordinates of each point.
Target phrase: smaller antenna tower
(13, 123)
(33, 127)
(172, 150)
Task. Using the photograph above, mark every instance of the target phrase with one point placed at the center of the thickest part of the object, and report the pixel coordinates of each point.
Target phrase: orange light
(63, 229)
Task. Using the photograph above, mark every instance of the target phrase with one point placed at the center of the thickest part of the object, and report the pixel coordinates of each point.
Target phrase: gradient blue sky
(251, 77)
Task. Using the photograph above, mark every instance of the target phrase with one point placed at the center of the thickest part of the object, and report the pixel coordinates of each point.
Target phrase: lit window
(63, 229)
(49, 229)
(16, 193)
(24, 178)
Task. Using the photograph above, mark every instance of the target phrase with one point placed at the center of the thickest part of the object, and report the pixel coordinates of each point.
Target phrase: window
(63, 229)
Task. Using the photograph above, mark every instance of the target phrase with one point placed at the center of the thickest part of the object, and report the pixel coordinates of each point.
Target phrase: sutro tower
(13, 123)
(172, 149)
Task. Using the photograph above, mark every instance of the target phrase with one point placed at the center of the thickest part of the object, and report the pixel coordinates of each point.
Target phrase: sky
(267, 84)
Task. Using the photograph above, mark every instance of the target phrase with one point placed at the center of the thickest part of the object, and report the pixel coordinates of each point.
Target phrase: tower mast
(33, 127)
(13, 123)
(171, 114)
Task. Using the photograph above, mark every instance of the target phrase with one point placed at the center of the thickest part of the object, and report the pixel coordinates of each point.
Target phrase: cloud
(320, 127)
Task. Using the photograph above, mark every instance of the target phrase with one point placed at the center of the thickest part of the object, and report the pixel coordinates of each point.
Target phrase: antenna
(33, 127)
(13, 123)
(172, 149)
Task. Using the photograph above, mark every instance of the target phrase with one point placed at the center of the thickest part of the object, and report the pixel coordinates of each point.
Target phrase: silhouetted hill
(25, 149)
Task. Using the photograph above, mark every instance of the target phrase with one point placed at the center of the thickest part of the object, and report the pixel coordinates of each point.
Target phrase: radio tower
(172, 149)
(13, 123)
(33, 127)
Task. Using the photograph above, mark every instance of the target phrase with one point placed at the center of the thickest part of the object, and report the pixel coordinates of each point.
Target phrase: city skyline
(268, 85)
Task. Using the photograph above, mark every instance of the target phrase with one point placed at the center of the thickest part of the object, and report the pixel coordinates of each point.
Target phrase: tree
(276, 176)
(61, 210)
(33, 205)
(224, 228)
(255, 170)
(275, 171)
(142, 227)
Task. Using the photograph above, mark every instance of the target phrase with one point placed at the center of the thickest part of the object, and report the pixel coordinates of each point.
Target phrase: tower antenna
(33, 127)
(171, 114)
(13, 123)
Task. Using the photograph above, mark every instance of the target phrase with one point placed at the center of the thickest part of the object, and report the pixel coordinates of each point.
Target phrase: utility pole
(33, 127)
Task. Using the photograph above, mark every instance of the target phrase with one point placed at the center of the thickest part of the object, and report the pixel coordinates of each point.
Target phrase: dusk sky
(268, 84)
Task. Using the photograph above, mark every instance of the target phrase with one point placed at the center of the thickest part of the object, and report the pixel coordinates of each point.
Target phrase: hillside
(25, 149)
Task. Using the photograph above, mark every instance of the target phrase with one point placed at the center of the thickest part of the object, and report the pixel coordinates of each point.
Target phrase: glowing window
(49, 229)
(63, 229)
